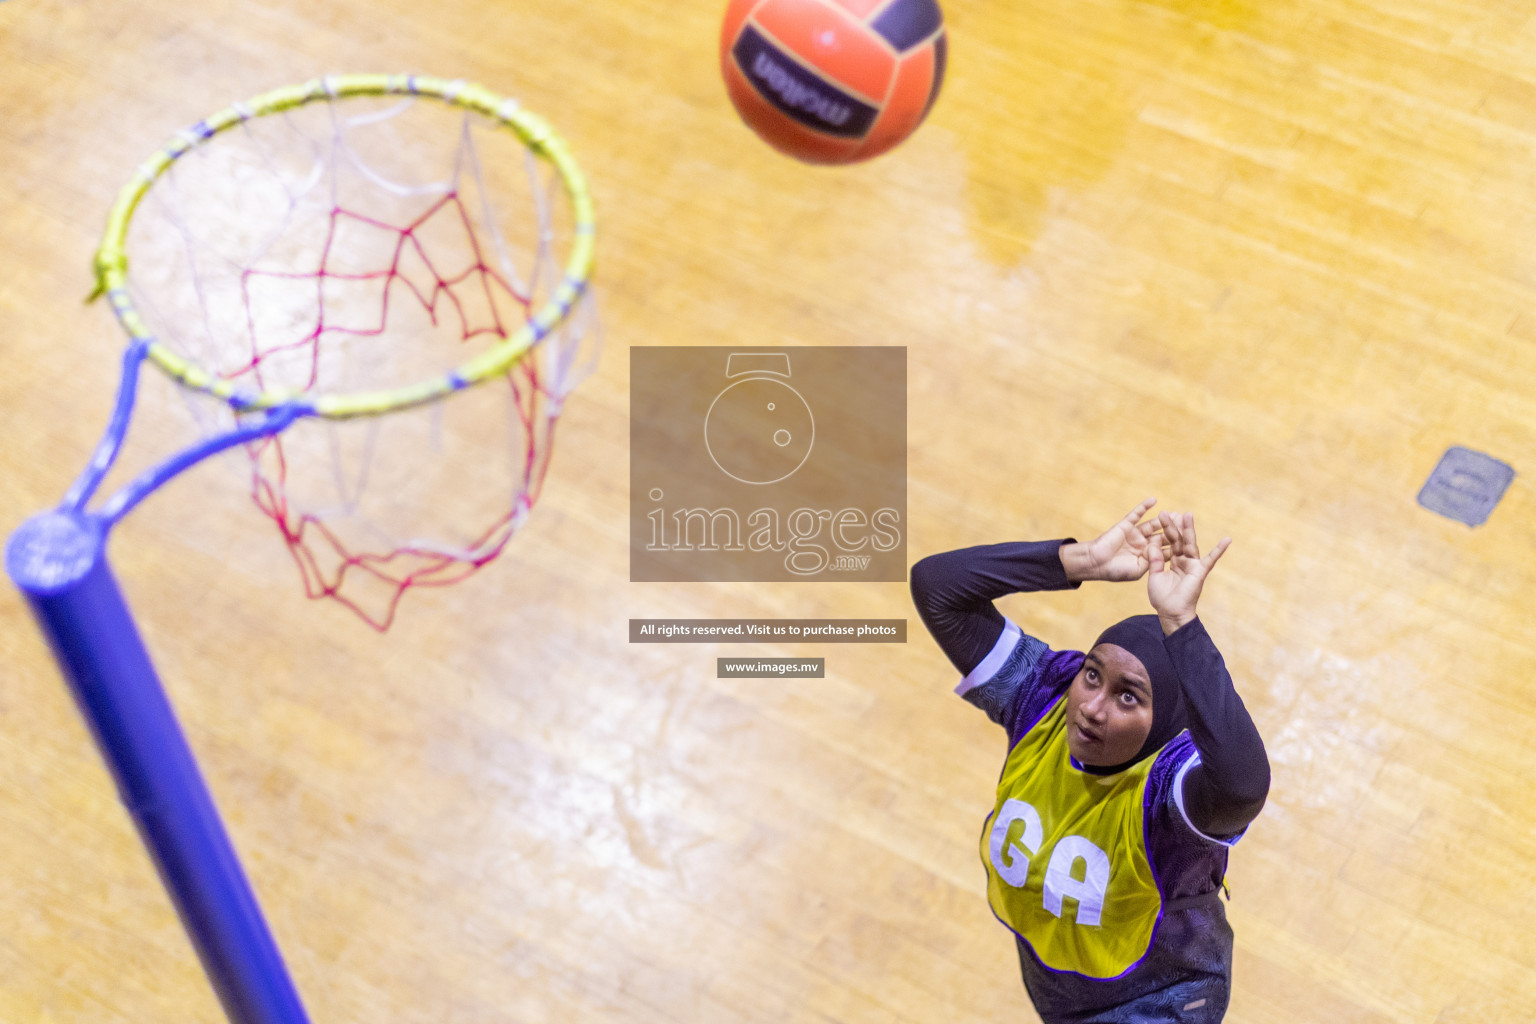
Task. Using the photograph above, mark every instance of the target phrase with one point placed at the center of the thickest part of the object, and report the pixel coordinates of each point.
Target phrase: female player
(1130, 772)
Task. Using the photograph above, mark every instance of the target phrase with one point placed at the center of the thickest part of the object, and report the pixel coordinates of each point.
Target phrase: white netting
(365, 245)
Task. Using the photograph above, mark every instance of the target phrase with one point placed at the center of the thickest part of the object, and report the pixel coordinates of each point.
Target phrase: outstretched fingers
(1178, 541)
(1134, 516)
(1170, 537)
(1172, 532)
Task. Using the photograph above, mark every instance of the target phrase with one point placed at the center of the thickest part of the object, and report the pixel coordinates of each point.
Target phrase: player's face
(1109, 707)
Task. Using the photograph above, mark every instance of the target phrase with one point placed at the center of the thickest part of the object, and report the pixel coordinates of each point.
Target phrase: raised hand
(1175, 583)
(1121, 554)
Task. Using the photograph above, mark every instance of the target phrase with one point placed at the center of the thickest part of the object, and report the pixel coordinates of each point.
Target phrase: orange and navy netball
(833, 81)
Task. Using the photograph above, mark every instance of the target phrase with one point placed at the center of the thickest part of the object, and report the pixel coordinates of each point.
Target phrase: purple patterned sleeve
(1006, 677)
(1186, 860)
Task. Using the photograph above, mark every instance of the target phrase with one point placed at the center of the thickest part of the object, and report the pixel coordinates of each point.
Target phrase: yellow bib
(1066, 856)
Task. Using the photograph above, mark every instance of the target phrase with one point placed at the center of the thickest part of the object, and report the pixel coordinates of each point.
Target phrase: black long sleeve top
(954, 592)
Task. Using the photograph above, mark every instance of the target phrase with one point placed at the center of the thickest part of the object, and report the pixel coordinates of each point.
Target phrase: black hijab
(1142, 636)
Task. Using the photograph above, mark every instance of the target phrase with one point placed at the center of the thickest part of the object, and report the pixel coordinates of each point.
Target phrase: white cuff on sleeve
(1178, 799)
(994, 660)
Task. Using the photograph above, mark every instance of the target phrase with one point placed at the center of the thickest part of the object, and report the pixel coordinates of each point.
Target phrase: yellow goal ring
(112, 260)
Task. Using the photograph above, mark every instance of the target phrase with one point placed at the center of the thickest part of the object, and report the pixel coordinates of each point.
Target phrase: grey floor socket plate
(1466, 485)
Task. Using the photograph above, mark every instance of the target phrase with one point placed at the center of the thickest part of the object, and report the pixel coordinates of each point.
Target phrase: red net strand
(330, 560)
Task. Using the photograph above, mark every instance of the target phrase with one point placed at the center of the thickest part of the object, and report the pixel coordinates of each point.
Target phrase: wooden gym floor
(1264, 261)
